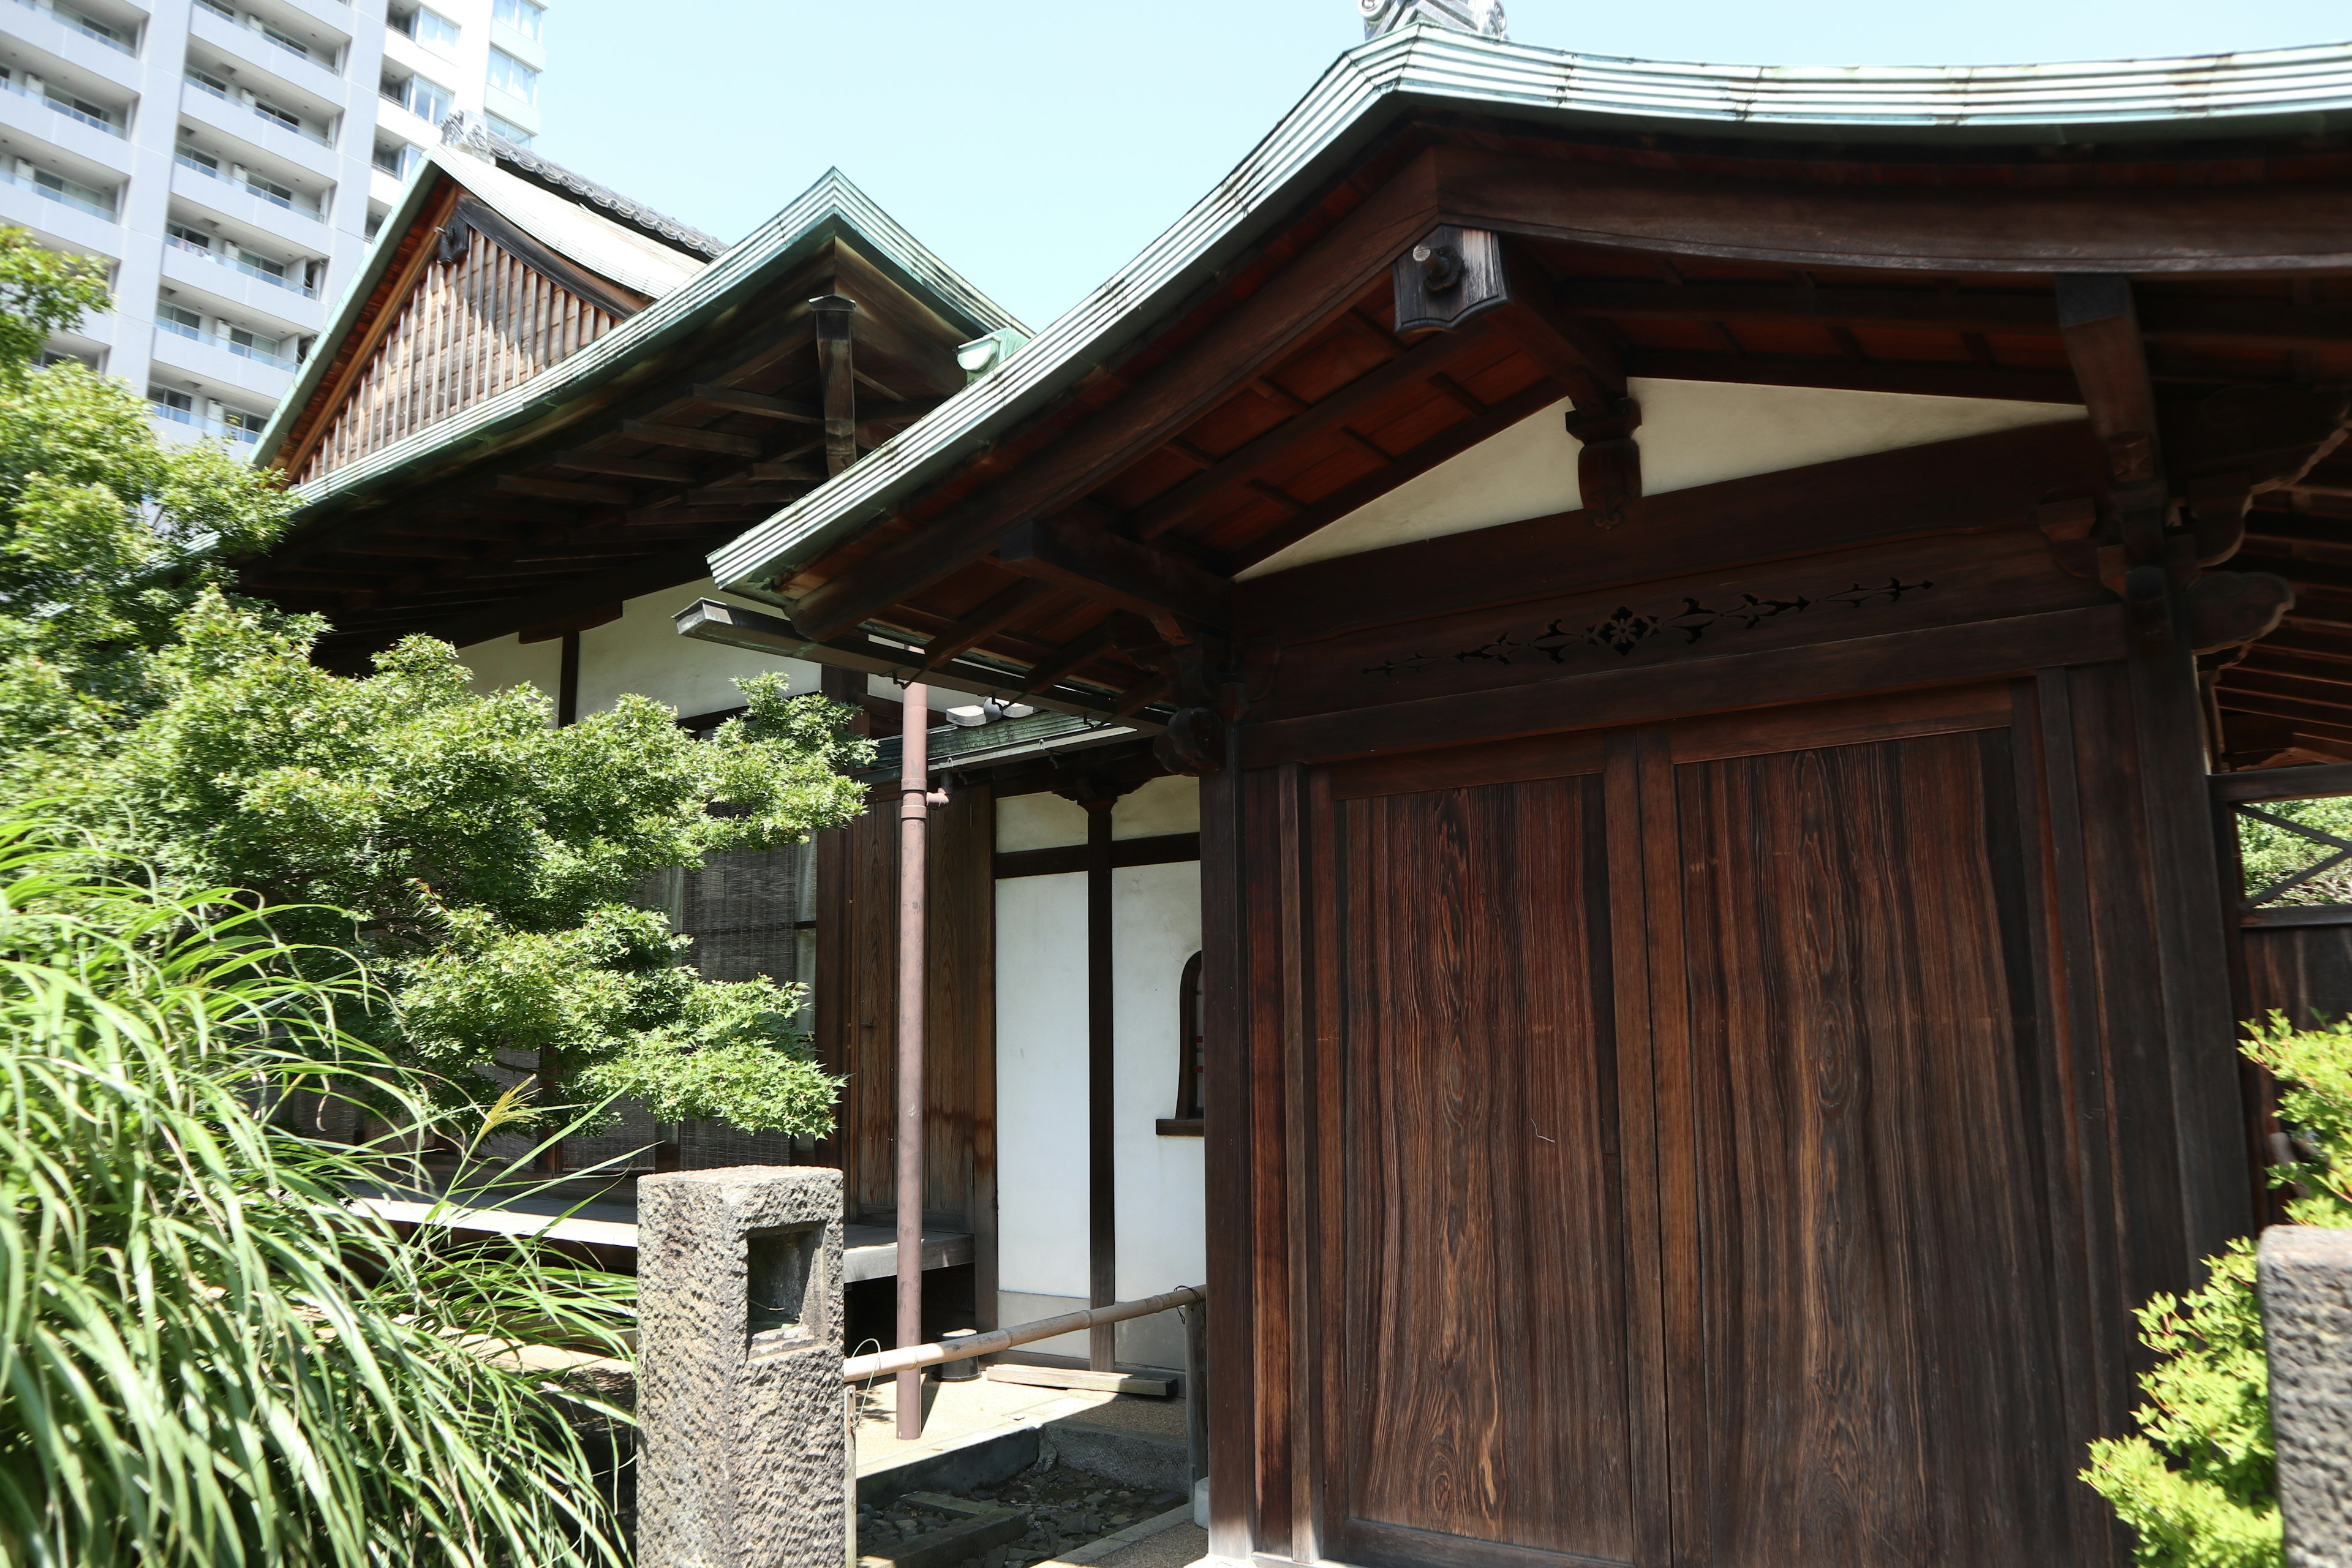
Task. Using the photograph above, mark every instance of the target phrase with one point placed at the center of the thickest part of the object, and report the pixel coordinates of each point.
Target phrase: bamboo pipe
(909, 1360)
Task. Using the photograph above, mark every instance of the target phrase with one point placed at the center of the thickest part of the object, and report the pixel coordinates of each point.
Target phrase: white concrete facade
(229, 160)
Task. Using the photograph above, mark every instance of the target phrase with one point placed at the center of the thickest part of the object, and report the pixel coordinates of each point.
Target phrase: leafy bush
(491, 859)
(207, 1357)
(2197, 1484)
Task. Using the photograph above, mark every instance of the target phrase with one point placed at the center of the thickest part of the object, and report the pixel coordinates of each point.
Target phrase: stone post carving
(742, 1443)
(2307, 1292)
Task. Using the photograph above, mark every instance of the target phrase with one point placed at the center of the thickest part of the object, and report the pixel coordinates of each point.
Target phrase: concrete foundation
(743, 1448)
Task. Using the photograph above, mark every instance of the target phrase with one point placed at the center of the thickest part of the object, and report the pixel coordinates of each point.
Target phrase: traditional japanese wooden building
(1704, 603)
(1678, 639)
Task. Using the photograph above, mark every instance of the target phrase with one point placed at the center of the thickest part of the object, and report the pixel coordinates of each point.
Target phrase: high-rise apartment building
(230, 160)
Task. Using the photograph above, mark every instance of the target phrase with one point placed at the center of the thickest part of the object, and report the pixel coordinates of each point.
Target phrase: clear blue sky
(1037, 146)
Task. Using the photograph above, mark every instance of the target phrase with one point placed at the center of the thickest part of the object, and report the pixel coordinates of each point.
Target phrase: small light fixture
(987, 710)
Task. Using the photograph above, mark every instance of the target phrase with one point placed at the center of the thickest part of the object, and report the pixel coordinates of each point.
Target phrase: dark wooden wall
(856, 1014)
(2302, 971)
(1711, 1092)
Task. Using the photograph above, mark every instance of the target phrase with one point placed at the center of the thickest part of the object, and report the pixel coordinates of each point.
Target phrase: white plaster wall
(1040, 1071)
(1039, 821)
(1041, 1085)
(642, 653)
(1156, 926)
(1693, 432)
(509, 661)
(1163, 806)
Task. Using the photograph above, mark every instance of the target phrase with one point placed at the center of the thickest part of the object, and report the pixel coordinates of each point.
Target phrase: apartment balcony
(303, 75)
(282, 305)
(179, 428)
(42, 120)
(222, 197)
(41, 27)
(243, 125)
(336, 15)
(69, 224)
(217, 362)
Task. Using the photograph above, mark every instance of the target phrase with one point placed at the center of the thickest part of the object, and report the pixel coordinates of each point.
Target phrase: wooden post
(1102, 1179)
(1196, 1389)
(567, 682)
(914, 821)
(839, 380)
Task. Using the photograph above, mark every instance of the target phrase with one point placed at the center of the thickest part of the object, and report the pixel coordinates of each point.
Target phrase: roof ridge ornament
(1483, 18)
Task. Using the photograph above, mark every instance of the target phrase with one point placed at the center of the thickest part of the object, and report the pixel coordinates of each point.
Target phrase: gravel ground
(1066, 1509)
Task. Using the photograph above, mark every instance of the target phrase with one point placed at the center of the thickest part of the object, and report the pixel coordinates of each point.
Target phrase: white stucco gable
(1693, 432)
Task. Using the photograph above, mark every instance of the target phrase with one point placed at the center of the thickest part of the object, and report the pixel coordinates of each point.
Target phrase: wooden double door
(1684, 1190)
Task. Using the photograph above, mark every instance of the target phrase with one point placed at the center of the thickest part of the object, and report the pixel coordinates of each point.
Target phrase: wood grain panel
(1481, 1323)
(960, 1027)
(1683, 619)
(2303, 972)
(468, 330)
(1879, 1349)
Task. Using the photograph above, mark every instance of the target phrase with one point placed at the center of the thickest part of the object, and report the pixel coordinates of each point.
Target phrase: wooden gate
(1697, 1152)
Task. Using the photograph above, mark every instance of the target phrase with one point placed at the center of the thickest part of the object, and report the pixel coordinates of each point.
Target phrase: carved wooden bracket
(1213, 683)
(1448, 278)
(2148, 541)
(2230, 609)
(1609, 465)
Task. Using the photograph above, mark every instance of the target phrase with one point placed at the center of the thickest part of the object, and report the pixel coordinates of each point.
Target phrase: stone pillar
(2306, 1293)
(741, 1441)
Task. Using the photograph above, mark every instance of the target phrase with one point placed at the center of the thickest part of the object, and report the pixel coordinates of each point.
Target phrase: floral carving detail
(1625, 628)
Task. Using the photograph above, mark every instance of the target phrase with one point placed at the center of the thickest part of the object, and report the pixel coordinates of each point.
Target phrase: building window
(1187, 1122)
(513, 77)
(426, 100)
(524, 16)
(509, 130)
(430, 28)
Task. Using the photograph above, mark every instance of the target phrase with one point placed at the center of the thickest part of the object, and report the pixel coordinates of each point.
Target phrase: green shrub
(2196, 1485)
(207, 1357)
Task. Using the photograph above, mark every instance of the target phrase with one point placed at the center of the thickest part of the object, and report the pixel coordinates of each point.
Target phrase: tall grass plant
(209, 1357)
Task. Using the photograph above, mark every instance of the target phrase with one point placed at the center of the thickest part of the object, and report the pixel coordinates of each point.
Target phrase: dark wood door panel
(1879, 1366)
(1486, 1392)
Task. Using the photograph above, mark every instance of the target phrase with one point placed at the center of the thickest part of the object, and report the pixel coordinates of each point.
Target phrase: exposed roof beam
(560, 489)
(583, 462)
(741, 402)
(695, 441)
(2097, 319)
(1185, 499)
(1856, 376)
(1795, 305)
(1452, 441)
(2110, 228)
(991, 615)
(2164, 318)
(1294, 301)
(1079, 650)
(1115, 570)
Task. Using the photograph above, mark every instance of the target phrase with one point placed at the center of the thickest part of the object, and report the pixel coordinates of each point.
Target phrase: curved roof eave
(1418, 67)
(829, 208)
